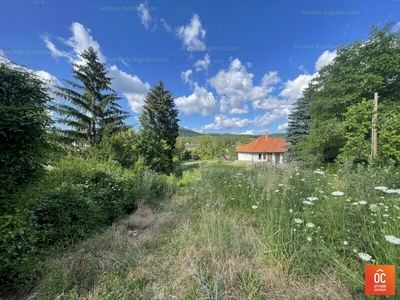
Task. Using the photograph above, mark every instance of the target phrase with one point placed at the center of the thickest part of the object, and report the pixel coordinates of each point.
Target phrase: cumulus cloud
(202, 64)
(249, 132)
(324, 59)
(224, 122)
(144, 14)
(235, 87)
(130, 86)
(192, 35)
(271, 116)
(294, 88)
(200, 101)
(283, 127)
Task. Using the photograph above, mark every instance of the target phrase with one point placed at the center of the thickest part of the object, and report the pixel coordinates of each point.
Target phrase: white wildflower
(381, 188)
(310, 225)
(312, 198)
(364, 256)
(254, 206)
(309, 239)
(319, 172)
(345, 243)
(392, 239)
(338, 193)
(307, 202)
(373, 207)
(303, 179)
(281, 184)
(298, 221)
(290, 210)
(362, 202)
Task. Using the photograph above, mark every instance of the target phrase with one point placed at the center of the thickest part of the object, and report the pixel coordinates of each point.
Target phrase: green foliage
(92, 112)
(358, 71)
(66, 214)
(117, 147)
(24, 119)
(357, 127)
(157, 139)
(209, 148)
(19, 234)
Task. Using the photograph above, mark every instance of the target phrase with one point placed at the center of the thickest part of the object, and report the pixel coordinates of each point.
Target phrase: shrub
(66, 214)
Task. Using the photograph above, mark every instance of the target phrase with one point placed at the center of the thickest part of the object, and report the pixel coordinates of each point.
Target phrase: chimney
(266, 135)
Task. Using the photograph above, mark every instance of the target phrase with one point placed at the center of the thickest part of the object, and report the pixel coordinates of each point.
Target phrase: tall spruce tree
(94, 110)
(299, 118)
(159, 121)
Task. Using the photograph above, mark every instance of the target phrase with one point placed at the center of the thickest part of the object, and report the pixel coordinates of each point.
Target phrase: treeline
(332, 121)
(71, 167)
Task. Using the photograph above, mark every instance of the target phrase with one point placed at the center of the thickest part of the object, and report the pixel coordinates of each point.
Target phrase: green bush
(19, 234)
(66, 214)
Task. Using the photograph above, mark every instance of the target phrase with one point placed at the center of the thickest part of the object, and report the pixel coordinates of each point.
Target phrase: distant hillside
(184, 132)
(187, 132)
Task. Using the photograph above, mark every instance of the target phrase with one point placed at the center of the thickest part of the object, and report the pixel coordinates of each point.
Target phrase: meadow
(235, 231)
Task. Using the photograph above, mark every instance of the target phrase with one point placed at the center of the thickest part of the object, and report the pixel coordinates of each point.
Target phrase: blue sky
(232, 66)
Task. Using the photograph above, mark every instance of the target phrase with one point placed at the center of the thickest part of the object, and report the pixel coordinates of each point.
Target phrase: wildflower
(310, 225)
(373, 207)
(239, 185)
(298, 221)
(276, 191)
(290, 210)
(362, 202)
(381, 188)
(281, 184)
(391, 191)
(338, 193)
(392, 239)
(385, 215)
(297, 174)
(321, 191)
(309, 239)
(319, 172)
(345, 243)
(355, 203)
(254, 206)
(364, 256)
(312, 198)
(307, 202)
(303, 179)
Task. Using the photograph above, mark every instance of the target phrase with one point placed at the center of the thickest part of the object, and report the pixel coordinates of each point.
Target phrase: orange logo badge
(380, 280)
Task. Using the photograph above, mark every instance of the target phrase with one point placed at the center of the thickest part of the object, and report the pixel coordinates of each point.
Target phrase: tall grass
(245, 232)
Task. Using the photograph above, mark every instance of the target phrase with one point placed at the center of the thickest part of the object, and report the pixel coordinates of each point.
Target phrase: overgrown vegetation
(339, 106)
(237, 232)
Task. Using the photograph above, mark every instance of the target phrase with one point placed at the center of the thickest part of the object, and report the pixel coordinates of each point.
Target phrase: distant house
(263, 149)
(191, 147)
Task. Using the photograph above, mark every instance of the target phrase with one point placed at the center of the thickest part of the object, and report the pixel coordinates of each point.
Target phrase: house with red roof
(263, 149)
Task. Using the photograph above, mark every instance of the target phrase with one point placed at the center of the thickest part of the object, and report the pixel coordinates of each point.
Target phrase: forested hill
(184, 132)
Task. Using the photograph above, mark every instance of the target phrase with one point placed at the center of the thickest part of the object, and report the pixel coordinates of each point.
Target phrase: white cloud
(80, 41)
(235, 86)
(224, 122)
(203, 63)
(192, 35)
(294, 88)
(144, 14)
(201, 101)
(269, 117)
(130, 86)
(283, 127)
(166, 26)
(249, 132)
(396, 27)
(185, 76)
(324, 59)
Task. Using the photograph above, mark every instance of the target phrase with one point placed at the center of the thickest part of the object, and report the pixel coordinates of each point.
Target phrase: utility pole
(374, 132)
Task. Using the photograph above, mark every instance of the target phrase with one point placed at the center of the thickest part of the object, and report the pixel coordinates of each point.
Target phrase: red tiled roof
(264, 144)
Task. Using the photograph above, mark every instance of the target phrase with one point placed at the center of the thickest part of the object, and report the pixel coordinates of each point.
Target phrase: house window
(259, 155)
(264, 156)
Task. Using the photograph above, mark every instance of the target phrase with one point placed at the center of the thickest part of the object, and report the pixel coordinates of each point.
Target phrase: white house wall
(276, 157)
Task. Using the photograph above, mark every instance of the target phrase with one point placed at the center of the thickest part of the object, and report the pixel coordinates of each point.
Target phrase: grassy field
(241, 232)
